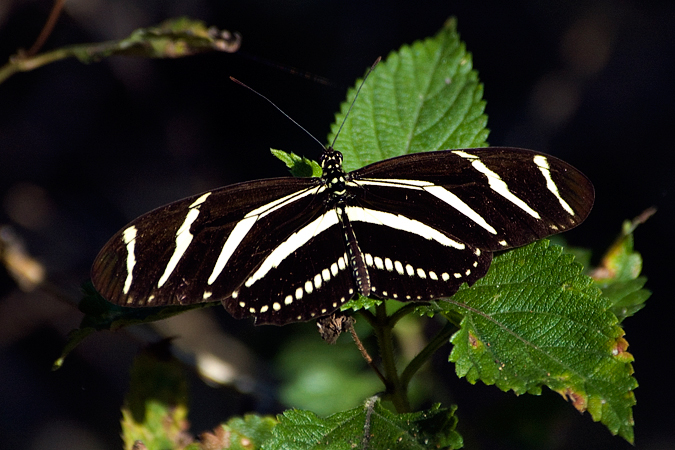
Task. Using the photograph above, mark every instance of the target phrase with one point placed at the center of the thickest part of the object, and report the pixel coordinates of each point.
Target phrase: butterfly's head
(333, 174)
(331, 161)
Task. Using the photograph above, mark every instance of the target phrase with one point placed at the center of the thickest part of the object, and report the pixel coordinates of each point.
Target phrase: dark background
(86, 148)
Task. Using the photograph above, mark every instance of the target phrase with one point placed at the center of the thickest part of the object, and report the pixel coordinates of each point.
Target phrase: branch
(174, 38)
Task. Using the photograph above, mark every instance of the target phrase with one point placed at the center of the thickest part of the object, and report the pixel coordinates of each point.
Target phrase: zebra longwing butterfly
(409, 228)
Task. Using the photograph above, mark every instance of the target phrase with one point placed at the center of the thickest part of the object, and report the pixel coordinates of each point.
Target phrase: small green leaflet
(618, 274)
(299, 166)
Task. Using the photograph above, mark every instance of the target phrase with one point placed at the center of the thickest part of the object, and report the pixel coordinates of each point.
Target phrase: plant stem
(396, 390)
(396, 387)
(187, 38)
(418, 361)
(24, 64)
(47, 29)
(365, 354)
(401, 313)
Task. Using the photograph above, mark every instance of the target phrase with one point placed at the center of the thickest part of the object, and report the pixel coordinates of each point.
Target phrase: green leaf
(100, 314)
(75, 337)
(534, 321)
(424, 97)
(299, 166)
(618, 275)
(246, 433)
(371, 426)
(627, 297)
(360, 302)
(621, 262)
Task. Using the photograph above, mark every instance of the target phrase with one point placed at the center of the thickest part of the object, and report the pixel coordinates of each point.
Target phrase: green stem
(396, 386)
(401, 313)
(418, 361)
(397, 392)
(172, 39)
(370, 317)
(25, 64)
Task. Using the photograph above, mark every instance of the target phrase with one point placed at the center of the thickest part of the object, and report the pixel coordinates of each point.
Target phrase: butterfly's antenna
(278, 109)
(289, 69)
(377, 61)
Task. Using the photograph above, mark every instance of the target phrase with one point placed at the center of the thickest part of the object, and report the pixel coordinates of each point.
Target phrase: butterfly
(408, 228)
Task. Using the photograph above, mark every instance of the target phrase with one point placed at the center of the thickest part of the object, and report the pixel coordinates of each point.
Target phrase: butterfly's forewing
(491, 198)
(201, 248)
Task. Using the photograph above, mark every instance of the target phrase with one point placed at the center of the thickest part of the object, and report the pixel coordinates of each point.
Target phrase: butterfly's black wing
(428, 222)
(306, 276)
(492, 198)
(283, 250)
(203, 247)
(408, 260)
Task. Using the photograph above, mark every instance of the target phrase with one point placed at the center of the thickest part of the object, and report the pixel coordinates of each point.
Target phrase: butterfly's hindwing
(408, 262)
(306, 276)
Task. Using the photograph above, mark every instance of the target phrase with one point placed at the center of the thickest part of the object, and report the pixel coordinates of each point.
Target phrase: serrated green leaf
(299, 166)
(534, 320)
(424, 97)
(247, 433)
(371, 426)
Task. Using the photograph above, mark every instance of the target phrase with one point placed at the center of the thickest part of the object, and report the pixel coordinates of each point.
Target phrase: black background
(86, 148)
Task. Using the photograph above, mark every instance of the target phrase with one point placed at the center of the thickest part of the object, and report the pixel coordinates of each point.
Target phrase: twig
(48, 28)
(364, 352)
